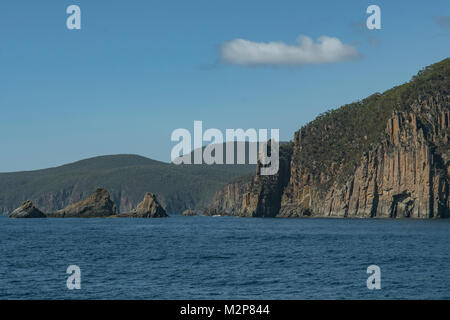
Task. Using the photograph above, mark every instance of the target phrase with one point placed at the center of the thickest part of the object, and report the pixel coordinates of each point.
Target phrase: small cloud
(305, 51)
(443, 22)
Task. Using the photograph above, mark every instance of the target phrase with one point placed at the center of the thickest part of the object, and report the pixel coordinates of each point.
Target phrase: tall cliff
(385, 156)
(254, 195)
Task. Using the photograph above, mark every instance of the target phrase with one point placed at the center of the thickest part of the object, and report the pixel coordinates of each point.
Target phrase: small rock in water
(148, 208)
(27, 210)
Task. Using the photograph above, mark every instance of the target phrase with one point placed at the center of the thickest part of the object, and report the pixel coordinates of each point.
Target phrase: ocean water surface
(224, 258)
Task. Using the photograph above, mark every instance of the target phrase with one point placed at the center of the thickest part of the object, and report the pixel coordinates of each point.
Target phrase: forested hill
(127, 177)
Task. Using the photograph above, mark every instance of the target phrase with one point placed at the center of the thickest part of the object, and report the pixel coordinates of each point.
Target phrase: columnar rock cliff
(386, 156)
(233, 199)
(254, 195)
(405, 175)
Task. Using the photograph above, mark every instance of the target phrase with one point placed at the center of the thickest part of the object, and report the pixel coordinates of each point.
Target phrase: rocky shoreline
(98, 205)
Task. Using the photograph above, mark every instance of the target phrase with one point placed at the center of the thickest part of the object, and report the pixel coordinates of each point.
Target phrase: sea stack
(148, 208)
(27, 210)
(99, 204)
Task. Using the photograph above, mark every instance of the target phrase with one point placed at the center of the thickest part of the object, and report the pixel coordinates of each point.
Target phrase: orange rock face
(406, 175)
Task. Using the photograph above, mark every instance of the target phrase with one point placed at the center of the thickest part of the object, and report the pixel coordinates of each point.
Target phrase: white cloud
(305, 51)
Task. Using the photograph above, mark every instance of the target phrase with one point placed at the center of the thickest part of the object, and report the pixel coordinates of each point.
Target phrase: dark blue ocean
(224, 258)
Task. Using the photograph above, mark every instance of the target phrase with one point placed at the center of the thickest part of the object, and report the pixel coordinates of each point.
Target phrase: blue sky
(137, 70)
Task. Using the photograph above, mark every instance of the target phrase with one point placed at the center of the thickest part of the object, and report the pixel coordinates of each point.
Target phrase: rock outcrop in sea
(99, 204)
(147, 208)
(387, 156)
(27, 210)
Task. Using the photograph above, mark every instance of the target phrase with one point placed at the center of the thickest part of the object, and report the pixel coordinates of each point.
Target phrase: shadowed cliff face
(233, 199)
(387, 156)
(254, 195)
